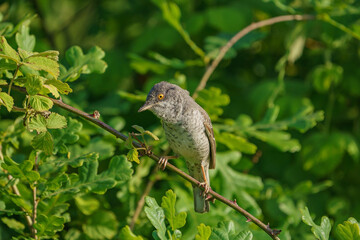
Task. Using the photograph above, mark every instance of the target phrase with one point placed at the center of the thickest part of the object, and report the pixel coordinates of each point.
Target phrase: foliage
(283, 102)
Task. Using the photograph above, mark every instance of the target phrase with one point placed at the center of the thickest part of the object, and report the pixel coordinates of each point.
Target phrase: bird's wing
(210, 134)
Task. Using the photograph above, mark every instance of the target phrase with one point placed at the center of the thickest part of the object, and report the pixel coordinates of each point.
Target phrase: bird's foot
(164, 160)
(206, 187)
(210, 198)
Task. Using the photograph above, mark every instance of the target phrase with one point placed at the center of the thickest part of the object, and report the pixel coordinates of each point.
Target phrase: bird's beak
(146, 106)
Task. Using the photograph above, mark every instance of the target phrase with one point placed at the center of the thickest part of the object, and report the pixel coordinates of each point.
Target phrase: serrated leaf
(234, 142)
(34, 84)
(168, 204)
(101, 225)
(119, 171)
(56, 121)
(133, 156)
(83, 63)
(52, 89)
(7, 101)
(49, 225)
(349, 230)
(126, 233)
(204, 232)
(226, 231)
(321, 232)
(37, 123)
(24, 40)
(45, 63)
(22, 171)
(156, 216)
(44, 142)
(6, 51)
(151, 135)
(62, 87)
(40, 103)
(13, 224)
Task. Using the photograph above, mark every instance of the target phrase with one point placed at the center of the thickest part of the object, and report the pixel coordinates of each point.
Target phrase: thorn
(248, 220)
(276, 232)
(235, 202)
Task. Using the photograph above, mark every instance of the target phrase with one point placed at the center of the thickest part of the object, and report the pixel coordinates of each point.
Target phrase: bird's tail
(200, 204)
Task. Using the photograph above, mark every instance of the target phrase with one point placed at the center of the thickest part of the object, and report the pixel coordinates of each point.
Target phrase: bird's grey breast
(187, 136)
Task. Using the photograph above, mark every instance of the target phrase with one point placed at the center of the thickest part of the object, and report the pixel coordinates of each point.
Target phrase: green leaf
(279, 139)
(228, 174)
(156, 216)
(40, 103)
(6, 51)
(126, 233)
(22, 171)
(119, 171)
(44, 62)
(204, 232)
(62, 87)
(49, 225)
(143, 66)
(234, 142)
(212, 100)
(37, 123)
(325, 76)
(24, 40)
(168, 204)
(171, 12)
(322, 153)
(13, 224)
(83, 64)
(87, 204)
(34, 84)
(226, 231)
(99, 145)
(139, 128)
(44, 142)
(133, 156)
(349, 230)
(7, 101)
(101, 225)
(321, 232)
(151, 135)
(56, 121)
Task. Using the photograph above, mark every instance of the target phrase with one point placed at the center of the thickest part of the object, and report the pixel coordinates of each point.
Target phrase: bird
(189, 131)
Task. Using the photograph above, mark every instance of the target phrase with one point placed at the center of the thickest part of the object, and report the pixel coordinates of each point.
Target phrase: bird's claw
(206, 188)
(162, 163)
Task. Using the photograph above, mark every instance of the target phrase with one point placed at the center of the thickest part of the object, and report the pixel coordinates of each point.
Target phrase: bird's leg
(204, 184)
(164, 160)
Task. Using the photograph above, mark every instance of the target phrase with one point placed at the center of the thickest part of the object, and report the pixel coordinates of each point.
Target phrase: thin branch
(15, 189)
(238, 36)
(13, 78)
(272, 233)
(141, 201)
(35, 200)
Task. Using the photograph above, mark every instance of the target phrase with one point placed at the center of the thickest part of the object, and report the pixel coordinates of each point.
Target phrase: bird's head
(165, 100)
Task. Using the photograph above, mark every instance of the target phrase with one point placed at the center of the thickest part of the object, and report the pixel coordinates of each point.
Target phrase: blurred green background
(295, 68)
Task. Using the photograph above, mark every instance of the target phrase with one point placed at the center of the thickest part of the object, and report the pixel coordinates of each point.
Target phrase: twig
(272, 233)
(15, 189)
(141, 201)
(35, 200)
(13, 78)
(238, 36)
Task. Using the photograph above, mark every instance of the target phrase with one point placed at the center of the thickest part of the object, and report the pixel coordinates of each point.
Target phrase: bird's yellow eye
(161, 96)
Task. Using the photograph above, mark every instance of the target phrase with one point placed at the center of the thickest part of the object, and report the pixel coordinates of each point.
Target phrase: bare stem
(12, 80)
(15, 189)
(35, 200)
(141, 201)
(271, 232)
(238, 36)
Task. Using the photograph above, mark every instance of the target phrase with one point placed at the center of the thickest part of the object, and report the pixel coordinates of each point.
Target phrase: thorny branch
(273, 233)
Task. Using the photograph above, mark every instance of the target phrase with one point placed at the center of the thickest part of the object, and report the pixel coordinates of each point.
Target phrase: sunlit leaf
(321, 231)
(40, 103)
(156, 216)
(168, 204)
(6, 51)
(349, 230)
(43, 141)
(126, 233)
(204, 232)
(6, 100)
